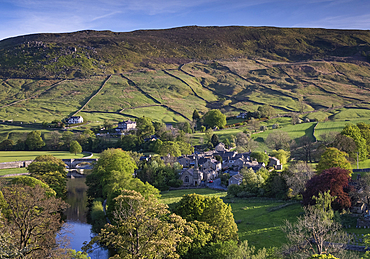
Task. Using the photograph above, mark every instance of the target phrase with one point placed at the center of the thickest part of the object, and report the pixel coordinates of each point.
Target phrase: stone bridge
(72, 163)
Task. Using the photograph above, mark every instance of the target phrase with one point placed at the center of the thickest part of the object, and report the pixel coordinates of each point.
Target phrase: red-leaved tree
(333, 179)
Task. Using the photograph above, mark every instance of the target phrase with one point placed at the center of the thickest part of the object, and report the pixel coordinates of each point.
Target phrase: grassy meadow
(9, 156)
(257, 220)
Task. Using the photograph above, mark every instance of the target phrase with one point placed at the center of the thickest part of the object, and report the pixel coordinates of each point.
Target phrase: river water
(77, 228)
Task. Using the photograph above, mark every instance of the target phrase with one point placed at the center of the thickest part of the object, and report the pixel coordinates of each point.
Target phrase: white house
(75, 120)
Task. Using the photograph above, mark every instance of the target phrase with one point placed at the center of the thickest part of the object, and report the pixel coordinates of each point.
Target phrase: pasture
(9, 156)
(258, 219)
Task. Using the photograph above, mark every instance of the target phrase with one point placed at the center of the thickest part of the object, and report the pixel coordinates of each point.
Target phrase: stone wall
(15, 164)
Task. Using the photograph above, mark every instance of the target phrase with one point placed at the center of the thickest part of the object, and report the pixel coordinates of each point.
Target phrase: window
(186, 179)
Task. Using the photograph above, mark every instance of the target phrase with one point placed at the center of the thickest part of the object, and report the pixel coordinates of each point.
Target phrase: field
(13, 171)
(9, 156)
(256, 223)
(294, 131)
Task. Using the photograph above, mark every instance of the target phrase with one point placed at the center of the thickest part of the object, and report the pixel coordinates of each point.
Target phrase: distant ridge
(86, 53)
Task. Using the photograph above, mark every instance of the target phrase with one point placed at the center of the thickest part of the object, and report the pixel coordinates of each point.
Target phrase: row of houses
(205, 167)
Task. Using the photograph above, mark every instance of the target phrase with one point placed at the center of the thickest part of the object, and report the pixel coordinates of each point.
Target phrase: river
(77, 228)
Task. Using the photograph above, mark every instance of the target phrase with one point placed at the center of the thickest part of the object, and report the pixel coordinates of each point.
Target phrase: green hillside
(166, 74)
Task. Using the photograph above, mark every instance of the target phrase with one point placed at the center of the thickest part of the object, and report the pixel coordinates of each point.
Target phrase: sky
(20, 17)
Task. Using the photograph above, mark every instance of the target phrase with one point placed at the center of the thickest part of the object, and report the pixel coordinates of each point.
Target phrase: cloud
(340, 21)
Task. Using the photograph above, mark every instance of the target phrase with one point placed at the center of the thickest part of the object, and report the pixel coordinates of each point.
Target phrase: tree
(54, 140)
(34, 140)
(144, 127)
(170, 148)
(278, 140)
(185, 148)
(345, 144)
(333, 179)
(6, 144)
(107, 125)
(75, 147)
(332, 157)
(297, 175)
(314, 233)
(304, 149)
(295, 118)
(354, 132)
(214, 140)
(129, 142)
(186, 127)
(142, 228)
(32, 182)
(252, 181)
(260, 156)
(67, 138)
(114, 171)
(214, 118)
(52, 171)
(266, 111)
(254, 124)
(211, 210)
(365, 132)
(196, 115)
(244, 142)
(32, 222)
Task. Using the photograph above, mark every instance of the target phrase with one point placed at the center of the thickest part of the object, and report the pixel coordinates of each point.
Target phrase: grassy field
(13, 171)
(294, 131)
(256, 223)
(9, 156)
(336, 126)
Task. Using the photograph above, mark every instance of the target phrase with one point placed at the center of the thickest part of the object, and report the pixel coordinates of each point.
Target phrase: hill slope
(87, 53)
(166, 74)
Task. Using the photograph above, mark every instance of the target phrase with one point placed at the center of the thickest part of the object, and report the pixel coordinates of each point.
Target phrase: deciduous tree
(333, 179)
(278, 140)
(354, 132)
(142, 228)
(260, 156)
(314, 233)
(32, 221)
(52, 171)
(214, 118)
(34, 140)
(266, 111)
(75, 147)
(332, 157)
(211, 210)
(297, 175)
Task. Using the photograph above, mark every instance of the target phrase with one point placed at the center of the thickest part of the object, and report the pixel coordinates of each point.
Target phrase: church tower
(197, 175)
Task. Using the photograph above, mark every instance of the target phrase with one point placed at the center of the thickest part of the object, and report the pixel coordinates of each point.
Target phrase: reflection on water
(77, 229)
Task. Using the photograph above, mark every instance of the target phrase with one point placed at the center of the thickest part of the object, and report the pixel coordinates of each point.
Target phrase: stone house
(236, 179)
(211, 164)
(126, 126)
(274, 162)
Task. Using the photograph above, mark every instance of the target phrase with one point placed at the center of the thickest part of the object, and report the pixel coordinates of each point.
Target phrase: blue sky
(19, 17)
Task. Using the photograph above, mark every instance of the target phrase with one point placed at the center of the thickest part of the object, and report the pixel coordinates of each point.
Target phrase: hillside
(85, 53)
(166, 74)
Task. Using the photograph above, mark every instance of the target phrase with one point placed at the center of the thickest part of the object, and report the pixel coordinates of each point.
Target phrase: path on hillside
(183, 81)
(33, 96)
(132, 83)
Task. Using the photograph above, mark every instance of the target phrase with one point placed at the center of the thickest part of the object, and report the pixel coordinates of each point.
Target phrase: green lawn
(13, 171)
(335, 126)
(256, 224)
(9, 156)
